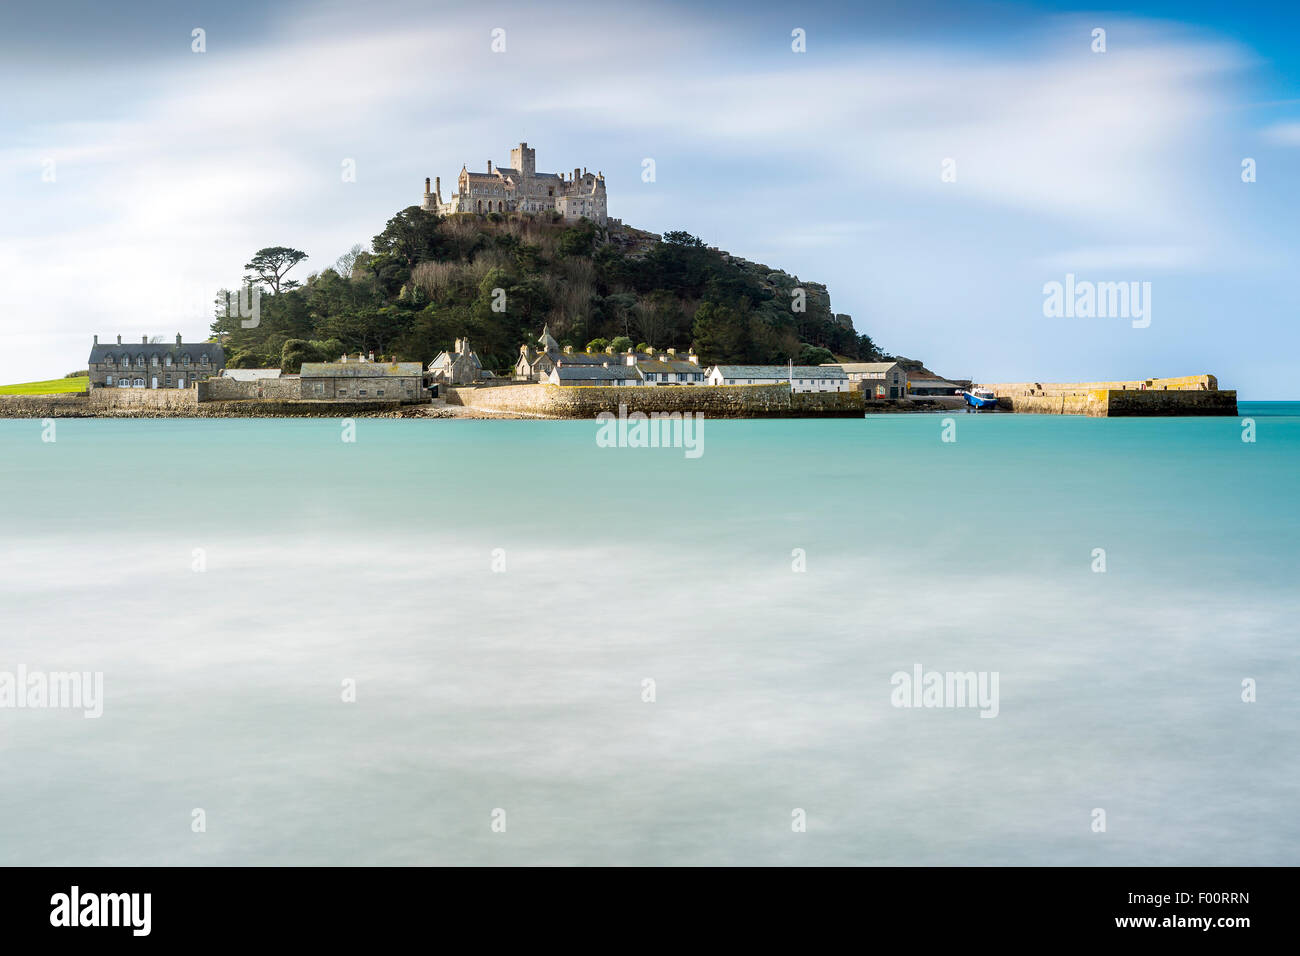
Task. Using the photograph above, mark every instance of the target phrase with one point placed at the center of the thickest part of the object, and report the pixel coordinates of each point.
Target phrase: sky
(934, 164)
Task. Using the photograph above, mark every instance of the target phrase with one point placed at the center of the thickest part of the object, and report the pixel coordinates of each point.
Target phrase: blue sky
(136, 176)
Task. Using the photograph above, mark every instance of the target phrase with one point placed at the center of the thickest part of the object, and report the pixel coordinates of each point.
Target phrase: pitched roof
(581, 373)
(656, 366)
(361, 369)
(249, 374)
(780, 372)
(195, 350)
(861, 366)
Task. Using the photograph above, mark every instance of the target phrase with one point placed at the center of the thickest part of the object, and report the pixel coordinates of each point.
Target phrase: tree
(597, 345)
(269, 266)
(680, 237)
(346, 262)
(411, 237)
(297, 351)
(814, 355)
(621, 344)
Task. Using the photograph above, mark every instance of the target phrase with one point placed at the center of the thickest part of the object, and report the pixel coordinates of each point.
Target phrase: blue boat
(980, 398)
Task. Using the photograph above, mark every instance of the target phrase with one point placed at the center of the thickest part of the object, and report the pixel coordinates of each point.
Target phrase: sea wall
(61, 406)
(716, 401)
(1120, 403)
(140, 398)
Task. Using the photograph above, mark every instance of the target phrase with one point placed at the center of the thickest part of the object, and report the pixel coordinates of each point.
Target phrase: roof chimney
(178, 338)
(605, 364)
(426, 185)
(672, 352)
(489, 165)
(372, 355)
(119, 340)
(96, 339)
(144, 340)
(568, 350)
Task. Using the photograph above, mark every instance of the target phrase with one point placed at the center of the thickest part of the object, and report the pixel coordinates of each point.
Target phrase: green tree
(411, 237)
(269, 266)
(814, 355)
(621, 343)
(597, 345)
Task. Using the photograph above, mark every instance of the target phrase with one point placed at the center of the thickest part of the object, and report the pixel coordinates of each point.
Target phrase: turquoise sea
(499, 593)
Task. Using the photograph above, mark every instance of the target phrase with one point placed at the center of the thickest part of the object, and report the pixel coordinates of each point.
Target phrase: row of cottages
(876, 379)
(551, 363)
(801, 378)
(153, 364)
(361, 379)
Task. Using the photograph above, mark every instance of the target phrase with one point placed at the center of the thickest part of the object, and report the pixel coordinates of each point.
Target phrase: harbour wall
(1188, 395)
(716, 401)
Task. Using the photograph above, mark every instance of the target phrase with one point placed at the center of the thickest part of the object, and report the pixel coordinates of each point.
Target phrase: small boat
(979, 398)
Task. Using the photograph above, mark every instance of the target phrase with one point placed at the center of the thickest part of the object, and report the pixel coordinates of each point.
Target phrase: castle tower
(524, 159)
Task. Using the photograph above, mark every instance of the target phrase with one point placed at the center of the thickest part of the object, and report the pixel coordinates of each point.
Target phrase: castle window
(203, 359)
(154, 361)
(168, 361)
(187, 360)
(109, 380)
(139, 361)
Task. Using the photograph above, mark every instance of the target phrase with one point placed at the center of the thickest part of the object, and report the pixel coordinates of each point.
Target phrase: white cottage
(801, 378)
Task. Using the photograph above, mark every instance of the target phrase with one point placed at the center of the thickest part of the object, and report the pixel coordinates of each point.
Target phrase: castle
(521, 188)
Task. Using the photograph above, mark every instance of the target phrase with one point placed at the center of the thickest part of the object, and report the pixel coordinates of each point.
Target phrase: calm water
(521, 689)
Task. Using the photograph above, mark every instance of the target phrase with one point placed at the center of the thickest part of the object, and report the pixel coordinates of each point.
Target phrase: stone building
(876, 379)
(461, 366)
(361, 380)
(520, 188)
(801, 378)
(153, 365)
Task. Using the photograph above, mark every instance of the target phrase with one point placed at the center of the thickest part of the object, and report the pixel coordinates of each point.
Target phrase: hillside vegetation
(497, 280)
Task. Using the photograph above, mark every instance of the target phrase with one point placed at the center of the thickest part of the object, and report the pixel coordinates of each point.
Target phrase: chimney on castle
(489, 166)
(437, 186)
(144, 340)
(426, 185)
(119, 340)
(575, 172)
(178, 338)
(96, 339)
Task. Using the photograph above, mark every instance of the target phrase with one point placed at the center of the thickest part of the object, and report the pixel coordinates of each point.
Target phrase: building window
(109, 380)
(203, 359)
(343, 391)
(379, 392)
(361, 392)
(186, 360)
(168, 361)
(153, 360)
(139, 383)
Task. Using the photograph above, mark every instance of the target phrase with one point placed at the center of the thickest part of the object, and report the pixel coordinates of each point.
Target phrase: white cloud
(229, 151)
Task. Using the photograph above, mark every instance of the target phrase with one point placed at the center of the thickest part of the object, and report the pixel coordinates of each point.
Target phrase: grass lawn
(78, 384)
